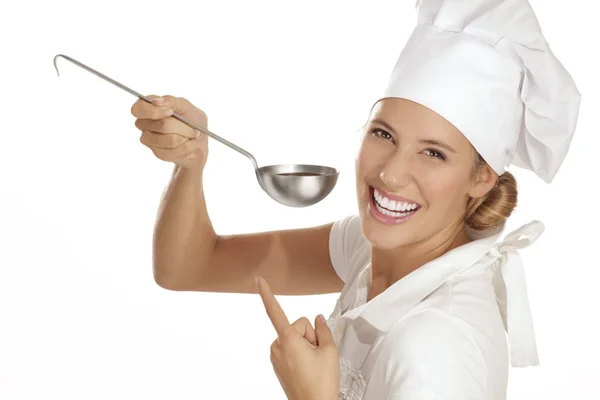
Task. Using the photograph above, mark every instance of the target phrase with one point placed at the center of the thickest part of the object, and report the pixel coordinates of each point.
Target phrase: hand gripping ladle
(293, 185)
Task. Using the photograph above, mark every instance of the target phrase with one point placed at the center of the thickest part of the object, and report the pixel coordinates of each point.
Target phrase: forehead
(409, 118)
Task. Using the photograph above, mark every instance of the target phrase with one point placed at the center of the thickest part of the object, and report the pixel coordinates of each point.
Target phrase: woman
(428, 285)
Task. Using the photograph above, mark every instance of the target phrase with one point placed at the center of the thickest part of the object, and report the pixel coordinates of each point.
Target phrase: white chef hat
(485, 66)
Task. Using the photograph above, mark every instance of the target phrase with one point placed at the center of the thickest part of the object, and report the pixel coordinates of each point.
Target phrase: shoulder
(348, 247)
(433, 353)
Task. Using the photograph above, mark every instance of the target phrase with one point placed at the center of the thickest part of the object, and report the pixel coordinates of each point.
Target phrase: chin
(384, 236)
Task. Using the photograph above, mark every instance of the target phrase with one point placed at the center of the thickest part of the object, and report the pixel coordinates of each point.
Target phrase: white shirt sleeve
(430, 356)
(348, 248)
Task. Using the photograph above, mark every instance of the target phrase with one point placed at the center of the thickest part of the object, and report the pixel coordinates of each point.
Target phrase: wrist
(195, 171)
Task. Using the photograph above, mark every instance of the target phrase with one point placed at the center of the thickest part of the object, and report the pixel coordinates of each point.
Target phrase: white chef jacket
(439, 332)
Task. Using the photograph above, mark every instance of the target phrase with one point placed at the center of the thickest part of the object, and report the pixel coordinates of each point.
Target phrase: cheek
(367, 160)
(443, 192)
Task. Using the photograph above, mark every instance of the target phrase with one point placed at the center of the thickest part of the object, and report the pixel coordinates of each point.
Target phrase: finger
(303, 327)
(155, 110)
(324, 335)
(274, 310)
(162, 141)
(168, 125)
(185, 150)
(275, 348)
(179, 105)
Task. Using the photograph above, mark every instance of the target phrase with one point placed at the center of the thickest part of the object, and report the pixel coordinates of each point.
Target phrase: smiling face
(414, 175)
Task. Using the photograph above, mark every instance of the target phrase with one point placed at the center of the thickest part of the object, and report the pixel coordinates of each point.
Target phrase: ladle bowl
(293, 185)
(297, 185)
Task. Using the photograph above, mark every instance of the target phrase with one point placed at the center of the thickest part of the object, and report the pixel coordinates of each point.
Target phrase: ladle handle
(216, 137)
(176, 116)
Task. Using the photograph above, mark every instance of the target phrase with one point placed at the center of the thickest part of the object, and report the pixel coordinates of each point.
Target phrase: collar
(387, 308)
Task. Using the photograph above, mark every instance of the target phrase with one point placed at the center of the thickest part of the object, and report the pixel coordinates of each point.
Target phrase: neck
(391, 265)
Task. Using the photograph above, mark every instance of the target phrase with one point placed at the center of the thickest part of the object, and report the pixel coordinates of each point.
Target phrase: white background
(80, 314)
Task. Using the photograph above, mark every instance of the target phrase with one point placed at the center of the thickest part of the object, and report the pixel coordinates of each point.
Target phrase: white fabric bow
(511, 294)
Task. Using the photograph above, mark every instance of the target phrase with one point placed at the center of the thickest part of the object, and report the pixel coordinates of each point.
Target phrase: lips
(393, 202)
(390, 209)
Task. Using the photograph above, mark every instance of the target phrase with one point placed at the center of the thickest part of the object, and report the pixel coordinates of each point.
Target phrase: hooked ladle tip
(56, 66)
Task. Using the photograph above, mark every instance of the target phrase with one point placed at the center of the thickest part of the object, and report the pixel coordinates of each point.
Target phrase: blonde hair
(492, 209)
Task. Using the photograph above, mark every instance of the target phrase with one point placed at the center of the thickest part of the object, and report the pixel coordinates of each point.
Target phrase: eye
(382, 134)
(435, 154)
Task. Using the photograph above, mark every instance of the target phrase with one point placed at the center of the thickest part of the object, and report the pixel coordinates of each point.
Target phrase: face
(414, 175)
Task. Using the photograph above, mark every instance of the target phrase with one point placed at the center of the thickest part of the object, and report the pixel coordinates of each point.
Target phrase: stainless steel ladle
(293, 185)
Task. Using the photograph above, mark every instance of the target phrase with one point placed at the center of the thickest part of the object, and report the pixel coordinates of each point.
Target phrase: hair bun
(494, 208)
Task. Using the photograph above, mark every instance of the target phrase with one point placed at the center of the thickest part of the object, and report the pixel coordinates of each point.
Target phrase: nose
(396, 172)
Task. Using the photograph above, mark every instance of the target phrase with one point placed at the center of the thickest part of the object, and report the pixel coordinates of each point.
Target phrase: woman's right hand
(167, 137)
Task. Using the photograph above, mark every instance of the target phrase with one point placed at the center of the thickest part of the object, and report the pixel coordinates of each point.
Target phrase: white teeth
(393, 204)
(391, 213)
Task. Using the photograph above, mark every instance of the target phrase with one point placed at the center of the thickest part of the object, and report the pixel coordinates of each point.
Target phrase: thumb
(324, 335)
(184, 108)
(181, 106)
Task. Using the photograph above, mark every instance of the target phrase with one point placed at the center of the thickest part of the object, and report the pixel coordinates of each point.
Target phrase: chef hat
(485, 66)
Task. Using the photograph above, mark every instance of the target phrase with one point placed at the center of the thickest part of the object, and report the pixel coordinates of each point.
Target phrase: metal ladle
(293, 185)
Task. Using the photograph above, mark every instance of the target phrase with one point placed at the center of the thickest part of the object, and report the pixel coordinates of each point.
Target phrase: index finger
(274, 310)
(141, 109)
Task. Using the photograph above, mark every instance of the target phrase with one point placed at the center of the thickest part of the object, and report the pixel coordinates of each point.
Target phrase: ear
(484, 180)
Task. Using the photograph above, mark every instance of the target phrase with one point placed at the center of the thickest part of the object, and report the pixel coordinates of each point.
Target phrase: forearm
(184, 237)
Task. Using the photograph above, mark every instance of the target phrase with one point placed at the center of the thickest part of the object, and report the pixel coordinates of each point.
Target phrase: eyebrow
(438, 143)
(426, 141)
